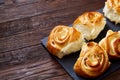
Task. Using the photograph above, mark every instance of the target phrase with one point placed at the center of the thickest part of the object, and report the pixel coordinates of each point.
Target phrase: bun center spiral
(61, 35)
(93, 59)
(92, 62)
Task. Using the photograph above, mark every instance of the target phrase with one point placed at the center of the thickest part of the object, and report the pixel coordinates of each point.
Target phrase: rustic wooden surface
(23, 23)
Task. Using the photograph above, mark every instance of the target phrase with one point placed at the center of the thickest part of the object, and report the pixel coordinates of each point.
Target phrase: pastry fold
(90, 24)
(112, 10)
(111, 44)
(92, 62)
(64, 40)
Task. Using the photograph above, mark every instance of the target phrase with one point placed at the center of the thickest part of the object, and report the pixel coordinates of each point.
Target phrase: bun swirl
(111, 44)
(64, 40)
(92, 62)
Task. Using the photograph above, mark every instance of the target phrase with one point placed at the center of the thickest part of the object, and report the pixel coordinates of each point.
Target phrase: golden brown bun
(92, 62)
(64, 40)
(112, 10)
(90, 24)
(111, 44)
(114, 4)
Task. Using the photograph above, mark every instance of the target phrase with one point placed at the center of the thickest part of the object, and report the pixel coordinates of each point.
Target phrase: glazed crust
(90, 19)
(111, 44)
(114, 4)
(112, 10)
(90, 24)
(92, 62)
(60, 37)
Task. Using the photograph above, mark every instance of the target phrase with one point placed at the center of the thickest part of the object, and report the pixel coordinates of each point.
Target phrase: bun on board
(111, 44)
(90, 24)
(112, 10)
(64, 40)
(92, 62)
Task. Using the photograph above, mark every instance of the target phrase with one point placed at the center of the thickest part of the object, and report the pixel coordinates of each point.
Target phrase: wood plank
(47, 20)
(40, 69)
(15, 27)
(22, 40)
(1, 2)
(31, 35)
(9, 13)
(21, 25)
(13, 3)
(59, 77)
(23, 56)
(18, 2)
(63, 77)
(113, 76)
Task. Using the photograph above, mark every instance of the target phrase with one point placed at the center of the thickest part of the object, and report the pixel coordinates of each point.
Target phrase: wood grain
(23, 56)
(21, 29)
(41, 69)
(37, 8)
(23, 23)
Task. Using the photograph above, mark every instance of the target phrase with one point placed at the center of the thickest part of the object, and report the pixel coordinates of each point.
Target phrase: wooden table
(23, 23)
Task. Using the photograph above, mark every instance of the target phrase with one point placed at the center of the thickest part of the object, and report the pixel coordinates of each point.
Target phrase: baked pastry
(92, 62)
(111, 44)
(112, 10)
(90, 24)
(64, 40)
